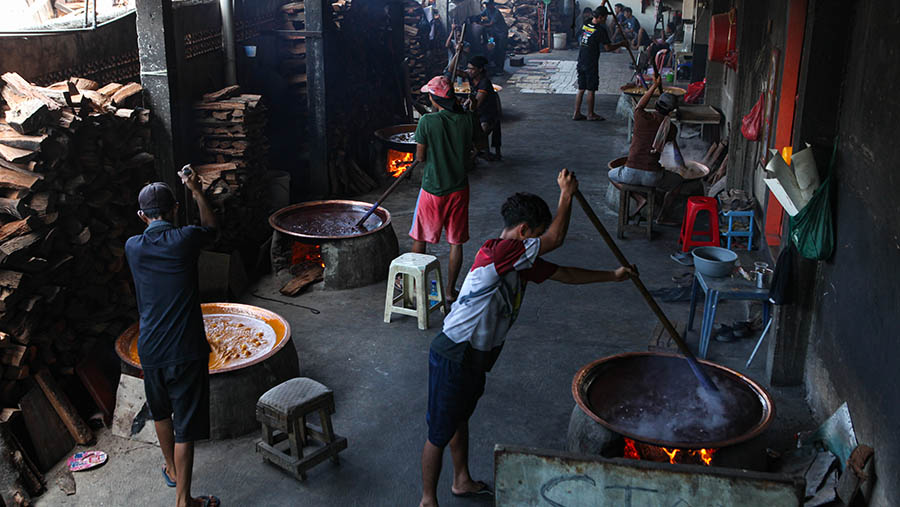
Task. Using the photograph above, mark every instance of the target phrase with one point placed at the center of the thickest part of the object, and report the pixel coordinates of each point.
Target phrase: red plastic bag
(751, 125)
(694, 92)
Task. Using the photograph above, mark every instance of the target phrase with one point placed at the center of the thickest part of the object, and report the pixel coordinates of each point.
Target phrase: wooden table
(688, 114)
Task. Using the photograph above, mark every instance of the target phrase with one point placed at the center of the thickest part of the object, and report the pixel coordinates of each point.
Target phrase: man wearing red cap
(444, 148)
(172, 344)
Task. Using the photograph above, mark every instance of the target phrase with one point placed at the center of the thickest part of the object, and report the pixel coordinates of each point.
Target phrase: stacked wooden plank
(522, 18)
(293, 48)
(415, 51)
(72, 159)
(234, 149)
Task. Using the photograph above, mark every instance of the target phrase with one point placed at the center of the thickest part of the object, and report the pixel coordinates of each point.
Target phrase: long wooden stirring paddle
(692, 361)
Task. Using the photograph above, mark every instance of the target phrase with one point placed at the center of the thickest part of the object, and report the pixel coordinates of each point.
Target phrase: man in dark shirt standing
(593, 37)
(172, 344)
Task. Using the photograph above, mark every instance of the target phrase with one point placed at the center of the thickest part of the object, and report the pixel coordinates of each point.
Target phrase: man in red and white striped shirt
(475, 329)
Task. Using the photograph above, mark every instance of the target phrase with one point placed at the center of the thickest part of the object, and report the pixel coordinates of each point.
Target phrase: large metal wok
(646, 396)
(384, 135)
(321, 221)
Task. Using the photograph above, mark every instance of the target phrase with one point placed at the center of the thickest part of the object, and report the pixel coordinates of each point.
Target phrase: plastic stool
(695, 205)
(415, 268)
(731, 215)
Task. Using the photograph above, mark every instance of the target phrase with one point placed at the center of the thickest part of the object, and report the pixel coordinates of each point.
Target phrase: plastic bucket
(559, 40)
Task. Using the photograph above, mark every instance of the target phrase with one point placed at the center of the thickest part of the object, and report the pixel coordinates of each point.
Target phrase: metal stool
(282, 412)
(415, 269)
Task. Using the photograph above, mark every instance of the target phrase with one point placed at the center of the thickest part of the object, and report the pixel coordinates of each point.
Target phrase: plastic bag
(751, 125)
(812, 229)
(694, 92)
(780, 291)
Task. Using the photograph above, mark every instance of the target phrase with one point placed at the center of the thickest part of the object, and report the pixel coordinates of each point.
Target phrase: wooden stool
(625, 192)
(282, 412)
(415, 269)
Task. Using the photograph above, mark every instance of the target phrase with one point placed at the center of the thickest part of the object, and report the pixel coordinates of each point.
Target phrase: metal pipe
(94, 24)
(227, 9)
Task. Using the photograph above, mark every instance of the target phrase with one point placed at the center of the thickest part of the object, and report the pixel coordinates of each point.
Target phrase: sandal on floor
(579, 117)
(725, 334)
(210, 501)
(484, 491)
(169, 482)
(683, 258)
(742, 329)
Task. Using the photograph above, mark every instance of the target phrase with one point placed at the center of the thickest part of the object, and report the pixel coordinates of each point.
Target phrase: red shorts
(434, 213)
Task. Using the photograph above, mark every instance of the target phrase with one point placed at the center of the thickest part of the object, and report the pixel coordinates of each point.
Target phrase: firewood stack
(293, 48)
(523, 24)
(73, 157)
(414, 44)
(234, 146)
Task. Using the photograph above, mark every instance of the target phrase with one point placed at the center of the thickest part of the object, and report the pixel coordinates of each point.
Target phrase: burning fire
(398, 162)
(306, 254)
(674, 456)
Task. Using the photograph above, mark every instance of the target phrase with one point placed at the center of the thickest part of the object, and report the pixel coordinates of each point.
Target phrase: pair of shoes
(725, 333)
(683, 258)
(483, 491)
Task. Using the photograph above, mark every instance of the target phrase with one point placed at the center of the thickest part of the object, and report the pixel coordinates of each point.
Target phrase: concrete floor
(378, 371)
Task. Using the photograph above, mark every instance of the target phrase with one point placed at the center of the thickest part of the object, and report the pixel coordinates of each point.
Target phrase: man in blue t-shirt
(594, 38)
(172, 344)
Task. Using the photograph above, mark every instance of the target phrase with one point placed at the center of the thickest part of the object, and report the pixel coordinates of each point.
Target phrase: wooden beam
(64, 408)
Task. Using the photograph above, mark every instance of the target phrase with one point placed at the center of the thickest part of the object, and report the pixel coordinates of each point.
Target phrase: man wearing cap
(593, 37)
(444, 148)
(652, 130)
(172, 344)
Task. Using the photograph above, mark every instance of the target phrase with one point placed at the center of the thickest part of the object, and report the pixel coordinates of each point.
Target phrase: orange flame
(635, 450)
(398, 162)
(302, 254)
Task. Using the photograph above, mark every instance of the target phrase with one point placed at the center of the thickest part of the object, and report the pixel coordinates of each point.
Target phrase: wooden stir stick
(692, 361)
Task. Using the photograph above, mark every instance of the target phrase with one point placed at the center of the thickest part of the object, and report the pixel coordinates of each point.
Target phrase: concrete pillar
(159, 77)
(315, 85)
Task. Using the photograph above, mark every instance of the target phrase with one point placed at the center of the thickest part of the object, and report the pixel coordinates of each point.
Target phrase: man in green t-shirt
(444, 147)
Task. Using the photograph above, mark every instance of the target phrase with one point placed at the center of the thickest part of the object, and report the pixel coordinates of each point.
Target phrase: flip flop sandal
(210, 501)
(169, 482)
(683, 258)
(484, 492)
(742, 329)
(725, 334)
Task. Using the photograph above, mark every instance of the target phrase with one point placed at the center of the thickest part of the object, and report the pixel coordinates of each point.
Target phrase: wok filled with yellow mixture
(238, 335)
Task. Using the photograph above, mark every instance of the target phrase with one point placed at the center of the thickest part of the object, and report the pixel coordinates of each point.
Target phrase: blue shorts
(453, 392)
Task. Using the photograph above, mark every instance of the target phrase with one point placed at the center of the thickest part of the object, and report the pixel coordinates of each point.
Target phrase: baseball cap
(439, 86)
(666, 103)
(157, 197)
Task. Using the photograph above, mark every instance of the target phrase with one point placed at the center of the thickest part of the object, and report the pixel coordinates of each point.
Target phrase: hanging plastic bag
(780, 292)
(694, 92)
(751, 125)
(812, 229)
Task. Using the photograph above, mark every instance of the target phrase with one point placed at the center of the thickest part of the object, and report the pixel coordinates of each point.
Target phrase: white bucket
(559, 40)
(278, 188)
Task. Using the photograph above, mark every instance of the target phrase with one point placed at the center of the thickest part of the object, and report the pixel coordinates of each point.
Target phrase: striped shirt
(491, 296)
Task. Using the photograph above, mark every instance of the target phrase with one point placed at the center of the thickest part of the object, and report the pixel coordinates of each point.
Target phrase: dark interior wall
(852, 353)
(762, 25)
(106, 54)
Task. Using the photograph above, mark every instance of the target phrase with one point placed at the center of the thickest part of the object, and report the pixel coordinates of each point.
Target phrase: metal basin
(321, 221)
(654, 398)
(126, 344)
(384, 135)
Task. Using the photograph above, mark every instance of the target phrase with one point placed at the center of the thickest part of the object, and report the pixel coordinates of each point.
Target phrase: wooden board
(527, 476)
(48, 433)
(64, 408)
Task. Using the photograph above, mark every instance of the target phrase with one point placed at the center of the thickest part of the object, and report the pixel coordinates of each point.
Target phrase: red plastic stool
(695, 205)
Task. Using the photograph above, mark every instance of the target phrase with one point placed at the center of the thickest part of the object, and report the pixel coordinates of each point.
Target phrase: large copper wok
(649, 397)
